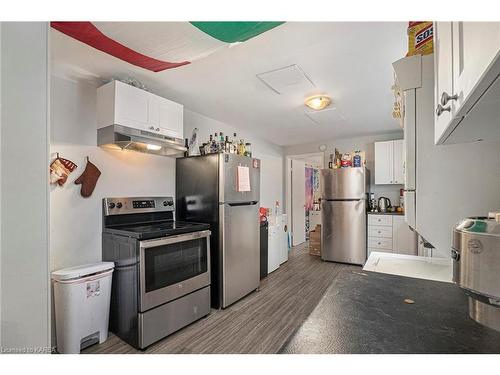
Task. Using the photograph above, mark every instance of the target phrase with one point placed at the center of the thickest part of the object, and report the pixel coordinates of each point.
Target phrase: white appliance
(277, 242)
(273, 256)
(283, 238)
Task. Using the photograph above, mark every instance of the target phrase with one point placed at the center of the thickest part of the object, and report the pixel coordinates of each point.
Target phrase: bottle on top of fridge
(222, 142)
(234, 145)
(356, 159)
(186, 145)
(241, 148)
(214, 144)
(248, 149)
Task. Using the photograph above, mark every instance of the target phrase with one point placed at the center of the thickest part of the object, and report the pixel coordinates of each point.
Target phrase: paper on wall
(243, 178)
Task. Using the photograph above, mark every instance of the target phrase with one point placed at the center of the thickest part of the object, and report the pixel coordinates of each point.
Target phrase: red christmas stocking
(88, 179)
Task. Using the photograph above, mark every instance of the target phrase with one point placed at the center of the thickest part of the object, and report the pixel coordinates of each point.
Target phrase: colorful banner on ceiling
(158, 46)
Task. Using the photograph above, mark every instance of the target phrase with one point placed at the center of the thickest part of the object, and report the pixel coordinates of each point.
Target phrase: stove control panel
(122, 206)
(144, 204)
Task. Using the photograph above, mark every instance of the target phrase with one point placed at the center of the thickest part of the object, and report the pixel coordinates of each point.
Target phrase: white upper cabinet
(121, 104)
(389, 162)
(398, 162)
(467, 67)
(444, 76)
(384, 170)
(475, 46)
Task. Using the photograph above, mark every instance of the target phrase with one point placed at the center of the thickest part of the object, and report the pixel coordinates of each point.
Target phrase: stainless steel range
(161, 281)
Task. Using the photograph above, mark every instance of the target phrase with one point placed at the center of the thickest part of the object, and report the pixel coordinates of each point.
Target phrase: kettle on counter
(384, 204)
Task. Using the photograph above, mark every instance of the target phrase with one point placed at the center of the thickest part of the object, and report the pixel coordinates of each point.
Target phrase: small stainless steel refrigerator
(223, 190)
(343, 214)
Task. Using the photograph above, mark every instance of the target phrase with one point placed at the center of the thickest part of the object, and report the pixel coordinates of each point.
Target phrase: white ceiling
(350, 61)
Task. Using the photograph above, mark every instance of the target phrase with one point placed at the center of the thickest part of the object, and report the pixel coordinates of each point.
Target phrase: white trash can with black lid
(81, 298)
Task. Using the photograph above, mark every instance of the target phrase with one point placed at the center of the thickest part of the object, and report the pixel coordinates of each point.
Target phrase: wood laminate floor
(259, 323)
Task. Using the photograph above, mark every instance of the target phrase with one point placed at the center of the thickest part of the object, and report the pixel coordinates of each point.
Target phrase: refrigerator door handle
(251, 203)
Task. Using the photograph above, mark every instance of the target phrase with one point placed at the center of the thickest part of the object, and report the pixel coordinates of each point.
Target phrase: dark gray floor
(365, 312)
(260, 323)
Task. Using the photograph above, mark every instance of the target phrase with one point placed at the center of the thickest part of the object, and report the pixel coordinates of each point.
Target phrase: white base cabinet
(390, 234)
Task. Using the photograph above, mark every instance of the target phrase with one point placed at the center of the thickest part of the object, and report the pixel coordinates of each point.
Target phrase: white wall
(271, 155)
(453, 181)
(366, 144)
(25, 307)
(76, 222)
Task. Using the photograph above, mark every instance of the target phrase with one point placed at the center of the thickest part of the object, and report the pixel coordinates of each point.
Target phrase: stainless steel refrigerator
(223, 190)
(343, 214)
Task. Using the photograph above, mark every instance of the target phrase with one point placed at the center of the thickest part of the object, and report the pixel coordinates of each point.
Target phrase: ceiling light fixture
(318, 102)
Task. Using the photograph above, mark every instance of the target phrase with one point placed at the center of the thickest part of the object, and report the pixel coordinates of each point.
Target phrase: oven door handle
(173, 239)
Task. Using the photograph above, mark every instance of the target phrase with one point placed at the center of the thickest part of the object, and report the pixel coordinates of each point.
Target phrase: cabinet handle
(445, 98)
(440, 109)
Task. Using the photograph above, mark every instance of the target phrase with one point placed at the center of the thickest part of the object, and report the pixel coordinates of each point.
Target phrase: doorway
(302, 194)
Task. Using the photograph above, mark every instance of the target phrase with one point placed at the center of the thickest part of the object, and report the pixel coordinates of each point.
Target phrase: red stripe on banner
(87, 33)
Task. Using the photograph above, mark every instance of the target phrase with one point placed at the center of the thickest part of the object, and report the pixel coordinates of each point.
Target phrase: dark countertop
(364, 312)
(386, 213)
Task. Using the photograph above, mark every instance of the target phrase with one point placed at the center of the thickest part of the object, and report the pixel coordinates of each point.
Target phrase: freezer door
(343, 231)
(197, 188)
(240, 242)
(343, 183)
(228, 174)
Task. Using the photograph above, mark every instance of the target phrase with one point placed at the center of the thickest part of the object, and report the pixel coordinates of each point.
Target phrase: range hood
(125, 138)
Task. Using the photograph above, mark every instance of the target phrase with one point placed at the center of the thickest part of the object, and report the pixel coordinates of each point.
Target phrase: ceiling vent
(326, 117)
(285, 80)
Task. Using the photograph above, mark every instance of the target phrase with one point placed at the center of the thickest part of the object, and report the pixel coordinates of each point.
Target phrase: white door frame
(288, 180)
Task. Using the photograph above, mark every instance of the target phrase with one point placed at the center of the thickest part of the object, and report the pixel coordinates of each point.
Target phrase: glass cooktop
(156, 229)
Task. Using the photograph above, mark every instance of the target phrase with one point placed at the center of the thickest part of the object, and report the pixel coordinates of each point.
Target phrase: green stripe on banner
(231, 32)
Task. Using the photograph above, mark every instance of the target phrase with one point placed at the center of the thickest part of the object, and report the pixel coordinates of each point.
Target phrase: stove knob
(165, 203)
(170, 203)
(119, 205)
(111, 205)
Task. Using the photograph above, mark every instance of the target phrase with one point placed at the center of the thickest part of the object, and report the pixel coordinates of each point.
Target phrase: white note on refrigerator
(243, 178)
